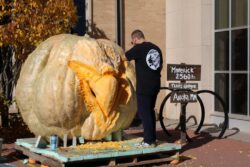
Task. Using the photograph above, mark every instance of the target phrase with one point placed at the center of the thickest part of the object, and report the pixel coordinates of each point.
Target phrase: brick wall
(147, 15)
(103, 18)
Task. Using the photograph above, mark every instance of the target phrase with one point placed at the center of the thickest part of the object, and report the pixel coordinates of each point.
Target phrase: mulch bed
(11, 134)
(17, 129)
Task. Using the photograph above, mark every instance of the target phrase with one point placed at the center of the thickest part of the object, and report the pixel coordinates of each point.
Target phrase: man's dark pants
(146, 104)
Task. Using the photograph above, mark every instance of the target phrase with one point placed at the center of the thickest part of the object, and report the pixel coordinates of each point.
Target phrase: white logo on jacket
(153, 59)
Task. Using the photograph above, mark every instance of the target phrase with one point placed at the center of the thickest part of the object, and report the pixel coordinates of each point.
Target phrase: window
(231, 55)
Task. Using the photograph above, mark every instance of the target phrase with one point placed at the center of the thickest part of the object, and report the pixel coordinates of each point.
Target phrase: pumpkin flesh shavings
(104, 145)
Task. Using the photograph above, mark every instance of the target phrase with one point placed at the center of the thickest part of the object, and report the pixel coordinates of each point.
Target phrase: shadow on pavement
(197, 139)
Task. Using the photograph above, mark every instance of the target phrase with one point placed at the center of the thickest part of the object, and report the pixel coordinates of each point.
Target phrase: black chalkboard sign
(183, 72)
(183, 97)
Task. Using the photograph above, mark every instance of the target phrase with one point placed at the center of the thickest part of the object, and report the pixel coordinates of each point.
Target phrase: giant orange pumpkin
(77, 86)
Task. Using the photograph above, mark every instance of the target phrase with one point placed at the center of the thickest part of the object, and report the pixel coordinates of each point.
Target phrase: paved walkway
(204, 151)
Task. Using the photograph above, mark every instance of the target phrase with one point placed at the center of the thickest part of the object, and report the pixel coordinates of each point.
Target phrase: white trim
(231, 29)
(230, 72)
(213, 51)
(230, 58)
(88, 15)
(248, 51)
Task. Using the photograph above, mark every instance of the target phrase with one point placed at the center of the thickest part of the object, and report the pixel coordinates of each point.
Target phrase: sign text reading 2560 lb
(181, 72)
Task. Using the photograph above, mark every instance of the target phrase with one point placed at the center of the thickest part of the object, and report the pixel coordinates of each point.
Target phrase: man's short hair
(137, 34)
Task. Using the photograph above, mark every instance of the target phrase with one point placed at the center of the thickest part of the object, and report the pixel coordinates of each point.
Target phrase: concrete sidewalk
(212, 129)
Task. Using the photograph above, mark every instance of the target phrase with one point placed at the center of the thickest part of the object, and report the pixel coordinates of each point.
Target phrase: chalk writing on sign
(183, 97)
(191, 86)
(184, 72)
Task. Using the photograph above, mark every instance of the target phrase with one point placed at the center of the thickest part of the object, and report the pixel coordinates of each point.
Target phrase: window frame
(230, 72)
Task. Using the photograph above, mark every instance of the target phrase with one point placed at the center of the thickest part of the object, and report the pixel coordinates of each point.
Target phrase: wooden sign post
(182, 92)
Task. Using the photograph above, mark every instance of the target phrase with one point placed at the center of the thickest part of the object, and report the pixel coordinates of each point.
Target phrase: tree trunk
(4, 114)
(9, 72)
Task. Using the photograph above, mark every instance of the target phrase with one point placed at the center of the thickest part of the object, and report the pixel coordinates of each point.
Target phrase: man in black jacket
(148, 65)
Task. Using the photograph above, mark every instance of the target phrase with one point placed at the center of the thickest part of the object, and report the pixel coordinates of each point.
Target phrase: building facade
(210, 33)
(214, 34)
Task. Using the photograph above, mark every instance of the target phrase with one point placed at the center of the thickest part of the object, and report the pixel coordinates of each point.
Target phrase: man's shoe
(145, 145)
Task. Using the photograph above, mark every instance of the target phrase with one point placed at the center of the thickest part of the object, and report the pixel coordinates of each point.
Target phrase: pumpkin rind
(77, 86)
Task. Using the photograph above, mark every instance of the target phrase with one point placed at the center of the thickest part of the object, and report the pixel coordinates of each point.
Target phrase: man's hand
(123, 57)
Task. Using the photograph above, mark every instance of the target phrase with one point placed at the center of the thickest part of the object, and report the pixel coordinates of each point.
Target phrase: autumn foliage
(33, 21)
